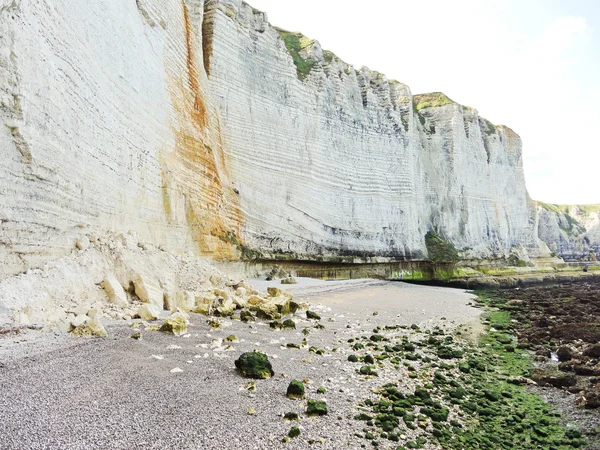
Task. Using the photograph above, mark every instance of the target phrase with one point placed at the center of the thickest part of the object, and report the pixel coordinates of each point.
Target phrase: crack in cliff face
(208, 27)
(199, 111)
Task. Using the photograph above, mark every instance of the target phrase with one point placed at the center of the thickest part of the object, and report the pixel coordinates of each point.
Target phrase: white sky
(533, 65)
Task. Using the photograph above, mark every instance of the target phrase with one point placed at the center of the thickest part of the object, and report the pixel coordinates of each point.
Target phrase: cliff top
(431, 100)
(583, 210)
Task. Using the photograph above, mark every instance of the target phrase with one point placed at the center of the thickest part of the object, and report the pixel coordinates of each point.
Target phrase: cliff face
(105, 125)
(331, 160)
(571, 231)
(190, 124)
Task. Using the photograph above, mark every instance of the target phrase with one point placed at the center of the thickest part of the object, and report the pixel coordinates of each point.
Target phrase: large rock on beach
(254, 365)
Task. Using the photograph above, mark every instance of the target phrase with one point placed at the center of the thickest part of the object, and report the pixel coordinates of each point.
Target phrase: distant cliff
(571, 231)
(200, 127)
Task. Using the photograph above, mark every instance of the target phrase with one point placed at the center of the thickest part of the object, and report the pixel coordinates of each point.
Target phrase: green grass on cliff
(586, 210)
(431, 100)
(296, 42)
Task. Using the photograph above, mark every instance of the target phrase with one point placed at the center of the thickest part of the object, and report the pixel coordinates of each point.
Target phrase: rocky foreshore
(388, 366)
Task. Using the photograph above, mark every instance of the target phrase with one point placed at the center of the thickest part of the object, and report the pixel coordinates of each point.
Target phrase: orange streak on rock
(195, 187)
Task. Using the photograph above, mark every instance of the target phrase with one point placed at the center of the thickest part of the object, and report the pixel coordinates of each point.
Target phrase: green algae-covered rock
(312, 315)
(295, 389)
(288, 324)
(316, 408)
(294, 432)
(175, 324)
(91, 328)
(368, 370)
(254, 365)
(246, 316)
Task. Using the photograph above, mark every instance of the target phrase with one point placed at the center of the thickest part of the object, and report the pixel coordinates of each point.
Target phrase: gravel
(60, 392)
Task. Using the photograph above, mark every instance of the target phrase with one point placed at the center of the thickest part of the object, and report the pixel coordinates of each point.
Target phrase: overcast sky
(533, 65)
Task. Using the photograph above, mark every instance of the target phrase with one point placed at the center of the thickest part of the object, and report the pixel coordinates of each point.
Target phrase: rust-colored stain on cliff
(199, 110)
(195, 184)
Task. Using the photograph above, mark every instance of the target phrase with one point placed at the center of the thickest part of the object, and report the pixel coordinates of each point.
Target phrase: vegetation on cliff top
(431, 100)
(585, 210)
(295, 43)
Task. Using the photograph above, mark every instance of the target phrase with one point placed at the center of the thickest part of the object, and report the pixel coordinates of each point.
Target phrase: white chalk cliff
(189, 124)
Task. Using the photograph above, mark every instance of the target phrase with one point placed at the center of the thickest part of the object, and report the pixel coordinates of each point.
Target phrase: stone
(288, 324)
(175, 324)
(290, 280)
(148, 291)
(136, 336)
(312, 315)
(148, 312)
(79, 320)
(241, 292)
(203, 308)
(256, 300)
(593, 351)
(254, 365)
(91, 328)
(114, 290)
(295, 390)
(274, 292)
(294, 432)
(94, 313)
(564, 353)
(246, 316)
(83, 243)
(316, 408)
(268, 311)
(182, 300)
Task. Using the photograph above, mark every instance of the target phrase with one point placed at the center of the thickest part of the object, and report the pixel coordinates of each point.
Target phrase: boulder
(79, 320)
(203, 308)
(91, 328)
(289, 280)
(148, 312)
(246, 316)
(316, 408)
(312, 315)
(256, 300)
(268, 311)
(241, 292)
(148, 291)
(254, 365)
(593, 351)
(564, 353)
(295, 389)
(114, 290)
(183, 300)
(175, 324)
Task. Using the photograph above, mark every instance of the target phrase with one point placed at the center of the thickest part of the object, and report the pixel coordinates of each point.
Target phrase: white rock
(79, 320)
(148, 290)
(83, 243)
(114, 290)
(148, 312)
(176, 370)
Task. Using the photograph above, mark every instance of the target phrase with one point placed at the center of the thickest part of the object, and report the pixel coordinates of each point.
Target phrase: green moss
(329, 56)
(295, 42)
(489, 127)
(440, 250)
(254, 365)
(316, 408)
(431, 100)
(295, 389)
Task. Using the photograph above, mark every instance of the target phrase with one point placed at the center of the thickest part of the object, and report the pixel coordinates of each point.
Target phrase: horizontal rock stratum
(199, 126)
